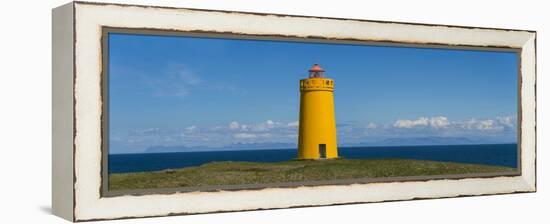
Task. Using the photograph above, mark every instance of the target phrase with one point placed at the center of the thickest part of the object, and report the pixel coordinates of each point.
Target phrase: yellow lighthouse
(317, 131)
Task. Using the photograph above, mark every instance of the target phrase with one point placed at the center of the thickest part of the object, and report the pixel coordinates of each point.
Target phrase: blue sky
(212, 92)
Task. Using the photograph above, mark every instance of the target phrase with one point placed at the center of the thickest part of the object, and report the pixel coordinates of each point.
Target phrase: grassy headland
(233, 173)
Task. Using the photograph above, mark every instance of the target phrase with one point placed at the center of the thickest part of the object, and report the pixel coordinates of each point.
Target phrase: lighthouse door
(322, 151)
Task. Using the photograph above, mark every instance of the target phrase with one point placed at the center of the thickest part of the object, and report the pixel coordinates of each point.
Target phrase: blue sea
(488, 154)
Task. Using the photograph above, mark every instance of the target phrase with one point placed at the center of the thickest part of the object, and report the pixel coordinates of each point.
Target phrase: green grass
(233, 173)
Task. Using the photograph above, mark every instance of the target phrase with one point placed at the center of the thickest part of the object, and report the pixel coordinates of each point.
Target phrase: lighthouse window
(328, 82)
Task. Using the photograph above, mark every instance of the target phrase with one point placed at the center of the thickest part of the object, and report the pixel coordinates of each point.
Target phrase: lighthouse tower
(317, 131)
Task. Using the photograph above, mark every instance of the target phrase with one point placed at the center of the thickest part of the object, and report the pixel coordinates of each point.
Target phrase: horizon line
(296, 148)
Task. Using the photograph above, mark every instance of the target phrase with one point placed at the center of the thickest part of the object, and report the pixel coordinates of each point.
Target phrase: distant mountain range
(236, 146)
(422, 141)
(276, 145)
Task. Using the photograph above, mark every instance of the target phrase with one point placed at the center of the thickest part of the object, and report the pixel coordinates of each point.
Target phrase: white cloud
(509, 121)
(369, 129)
(439, 122)
(293, 124)
(267, 131)
(145, 131)
(265, 135)
(434, 122)
(270, 130)
(191, 128)
(411, 123)
(131, 141)
(244, 136)
(264, 126)
(168, 139)
(292, 136)
(234, 125)
(488, 124)
(371, 125)
(492, 125)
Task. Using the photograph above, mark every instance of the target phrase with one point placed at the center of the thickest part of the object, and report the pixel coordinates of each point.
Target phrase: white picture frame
(78, 109)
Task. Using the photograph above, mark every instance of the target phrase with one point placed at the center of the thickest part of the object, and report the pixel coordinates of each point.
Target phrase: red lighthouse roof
(316, 68)
(316, 71)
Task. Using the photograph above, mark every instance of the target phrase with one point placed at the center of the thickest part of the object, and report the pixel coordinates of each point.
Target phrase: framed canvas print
(169, 111)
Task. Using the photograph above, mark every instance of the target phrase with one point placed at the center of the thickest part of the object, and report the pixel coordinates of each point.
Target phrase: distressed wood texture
(62, 111)
(91, 18)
